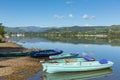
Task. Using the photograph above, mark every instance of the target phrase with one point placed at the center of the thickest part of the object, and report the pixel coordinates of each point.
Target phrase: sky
(59, 13)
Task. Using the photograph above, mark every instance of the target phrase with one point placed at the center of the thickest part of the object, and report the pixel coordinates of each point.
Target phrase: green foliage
(0, 38)
(110, 31)
(2, 32)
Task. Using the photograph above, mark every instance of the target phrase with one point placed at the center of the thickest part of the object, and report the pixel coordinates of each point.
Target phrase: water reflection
(83, 40)
(28, 39)
(76, 75)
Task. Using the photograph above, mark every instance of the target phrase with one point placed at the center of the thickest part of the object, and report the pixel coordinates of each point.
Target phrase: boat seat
(70, 60)
(54, 62)
(88, 58)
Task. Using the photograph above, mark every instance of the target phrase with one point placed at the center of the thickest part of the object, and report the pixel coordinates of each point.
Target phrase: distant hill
(77, 29)
(85, 29)
(63, 29)
(26, 29)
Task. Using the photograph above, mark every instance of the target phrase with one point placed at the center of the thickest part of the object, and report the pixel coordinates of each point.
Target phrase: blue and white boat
(45, 53)
(75, 64)
(65, 55)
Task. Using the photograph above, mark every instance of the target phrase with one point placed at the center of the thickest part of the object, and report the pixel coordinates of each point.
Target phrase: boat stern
(110, 63)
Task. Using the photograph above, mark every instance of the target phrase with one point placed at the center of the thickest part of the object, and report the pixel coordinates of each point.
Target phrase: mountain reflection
(73, 40)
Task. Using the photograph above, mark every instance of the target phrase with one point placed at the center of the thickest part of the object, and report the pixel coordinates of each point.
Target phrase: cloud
(58, 16)
(70, 16)
(85, 16)
(87, 25)
(69, 2)
(93, 17)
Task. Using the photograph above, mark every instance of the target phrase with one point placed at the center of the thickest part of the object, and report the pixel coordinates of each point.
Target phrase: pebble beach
(11, 67)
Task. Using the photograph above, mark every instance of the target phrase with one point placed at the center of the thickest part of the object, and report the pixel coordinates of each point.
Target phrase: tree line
(107, 31)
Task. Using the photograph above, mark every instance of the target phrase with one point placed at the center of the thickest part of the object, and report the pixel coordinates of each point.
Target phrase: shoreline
(10, 67)
(9, 47)
(9, 44)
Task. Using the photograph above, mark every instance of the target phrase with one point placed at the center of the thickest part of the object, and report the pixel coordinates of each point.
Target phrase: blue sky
(57, 13)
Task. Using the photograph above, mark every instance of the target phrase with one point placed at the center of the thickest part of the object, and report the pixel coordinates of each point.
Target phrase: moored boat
(74, 64)
(14, 54)
(45, 53)
(64, 55)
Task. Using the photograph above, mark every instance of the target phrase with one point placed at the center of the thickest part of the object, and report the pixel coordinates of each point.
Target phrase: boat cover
(103, 61)
(88, 58)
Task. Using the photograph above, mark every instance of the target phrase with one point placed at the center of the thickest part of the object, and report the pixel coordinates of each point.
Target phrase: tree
(2, 32)
(0, 38)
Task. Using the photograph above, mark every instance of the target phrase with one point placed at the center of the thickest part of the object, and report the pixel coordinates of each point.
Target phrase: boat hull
(64, 56)
(14, 54)
(44, 53)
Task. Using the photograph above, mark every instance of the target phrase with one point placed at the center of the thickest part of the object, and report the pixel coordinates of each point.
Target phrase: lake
(97, 50)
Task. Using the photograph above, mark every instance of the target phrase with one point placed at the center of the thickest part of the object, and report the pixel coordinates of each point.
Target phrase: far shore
(10, 67)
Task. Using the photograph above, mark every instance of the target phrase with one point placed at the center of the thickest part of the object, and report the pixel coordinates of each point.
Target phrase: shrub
(0, 38)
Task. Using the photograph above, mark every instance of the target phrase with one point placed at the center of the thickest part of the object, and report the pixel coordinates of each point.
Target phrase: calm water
(98, 51)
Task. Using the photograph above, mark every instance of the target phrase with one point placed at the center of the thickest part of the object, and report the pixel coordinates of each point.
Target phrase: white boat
(64, 55)
(74, 64)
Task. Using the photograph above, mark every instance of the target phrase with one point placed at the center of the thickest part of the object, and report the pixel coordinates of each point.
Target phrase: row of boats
(33, 54)
(61, 62)
(73, 62)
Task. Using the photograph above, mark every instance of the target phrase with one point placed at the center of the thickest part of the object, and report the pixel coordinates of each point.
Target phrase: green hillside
(112, 31)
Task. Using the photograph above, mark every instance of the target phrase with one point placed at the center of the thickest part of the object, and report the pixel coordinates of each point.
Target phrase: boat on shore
(75, 64)
(44, 53)
(14, 54)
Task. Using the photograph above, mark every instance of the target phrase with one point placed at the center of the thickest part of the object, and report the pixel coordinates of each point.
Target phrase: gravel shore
(10, 67)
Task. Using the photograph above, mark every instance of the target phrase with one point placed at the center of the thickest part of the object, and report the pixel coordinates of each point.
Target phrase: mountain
(76, 29)
(64, 29)
(86, 29)
(26, 29)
